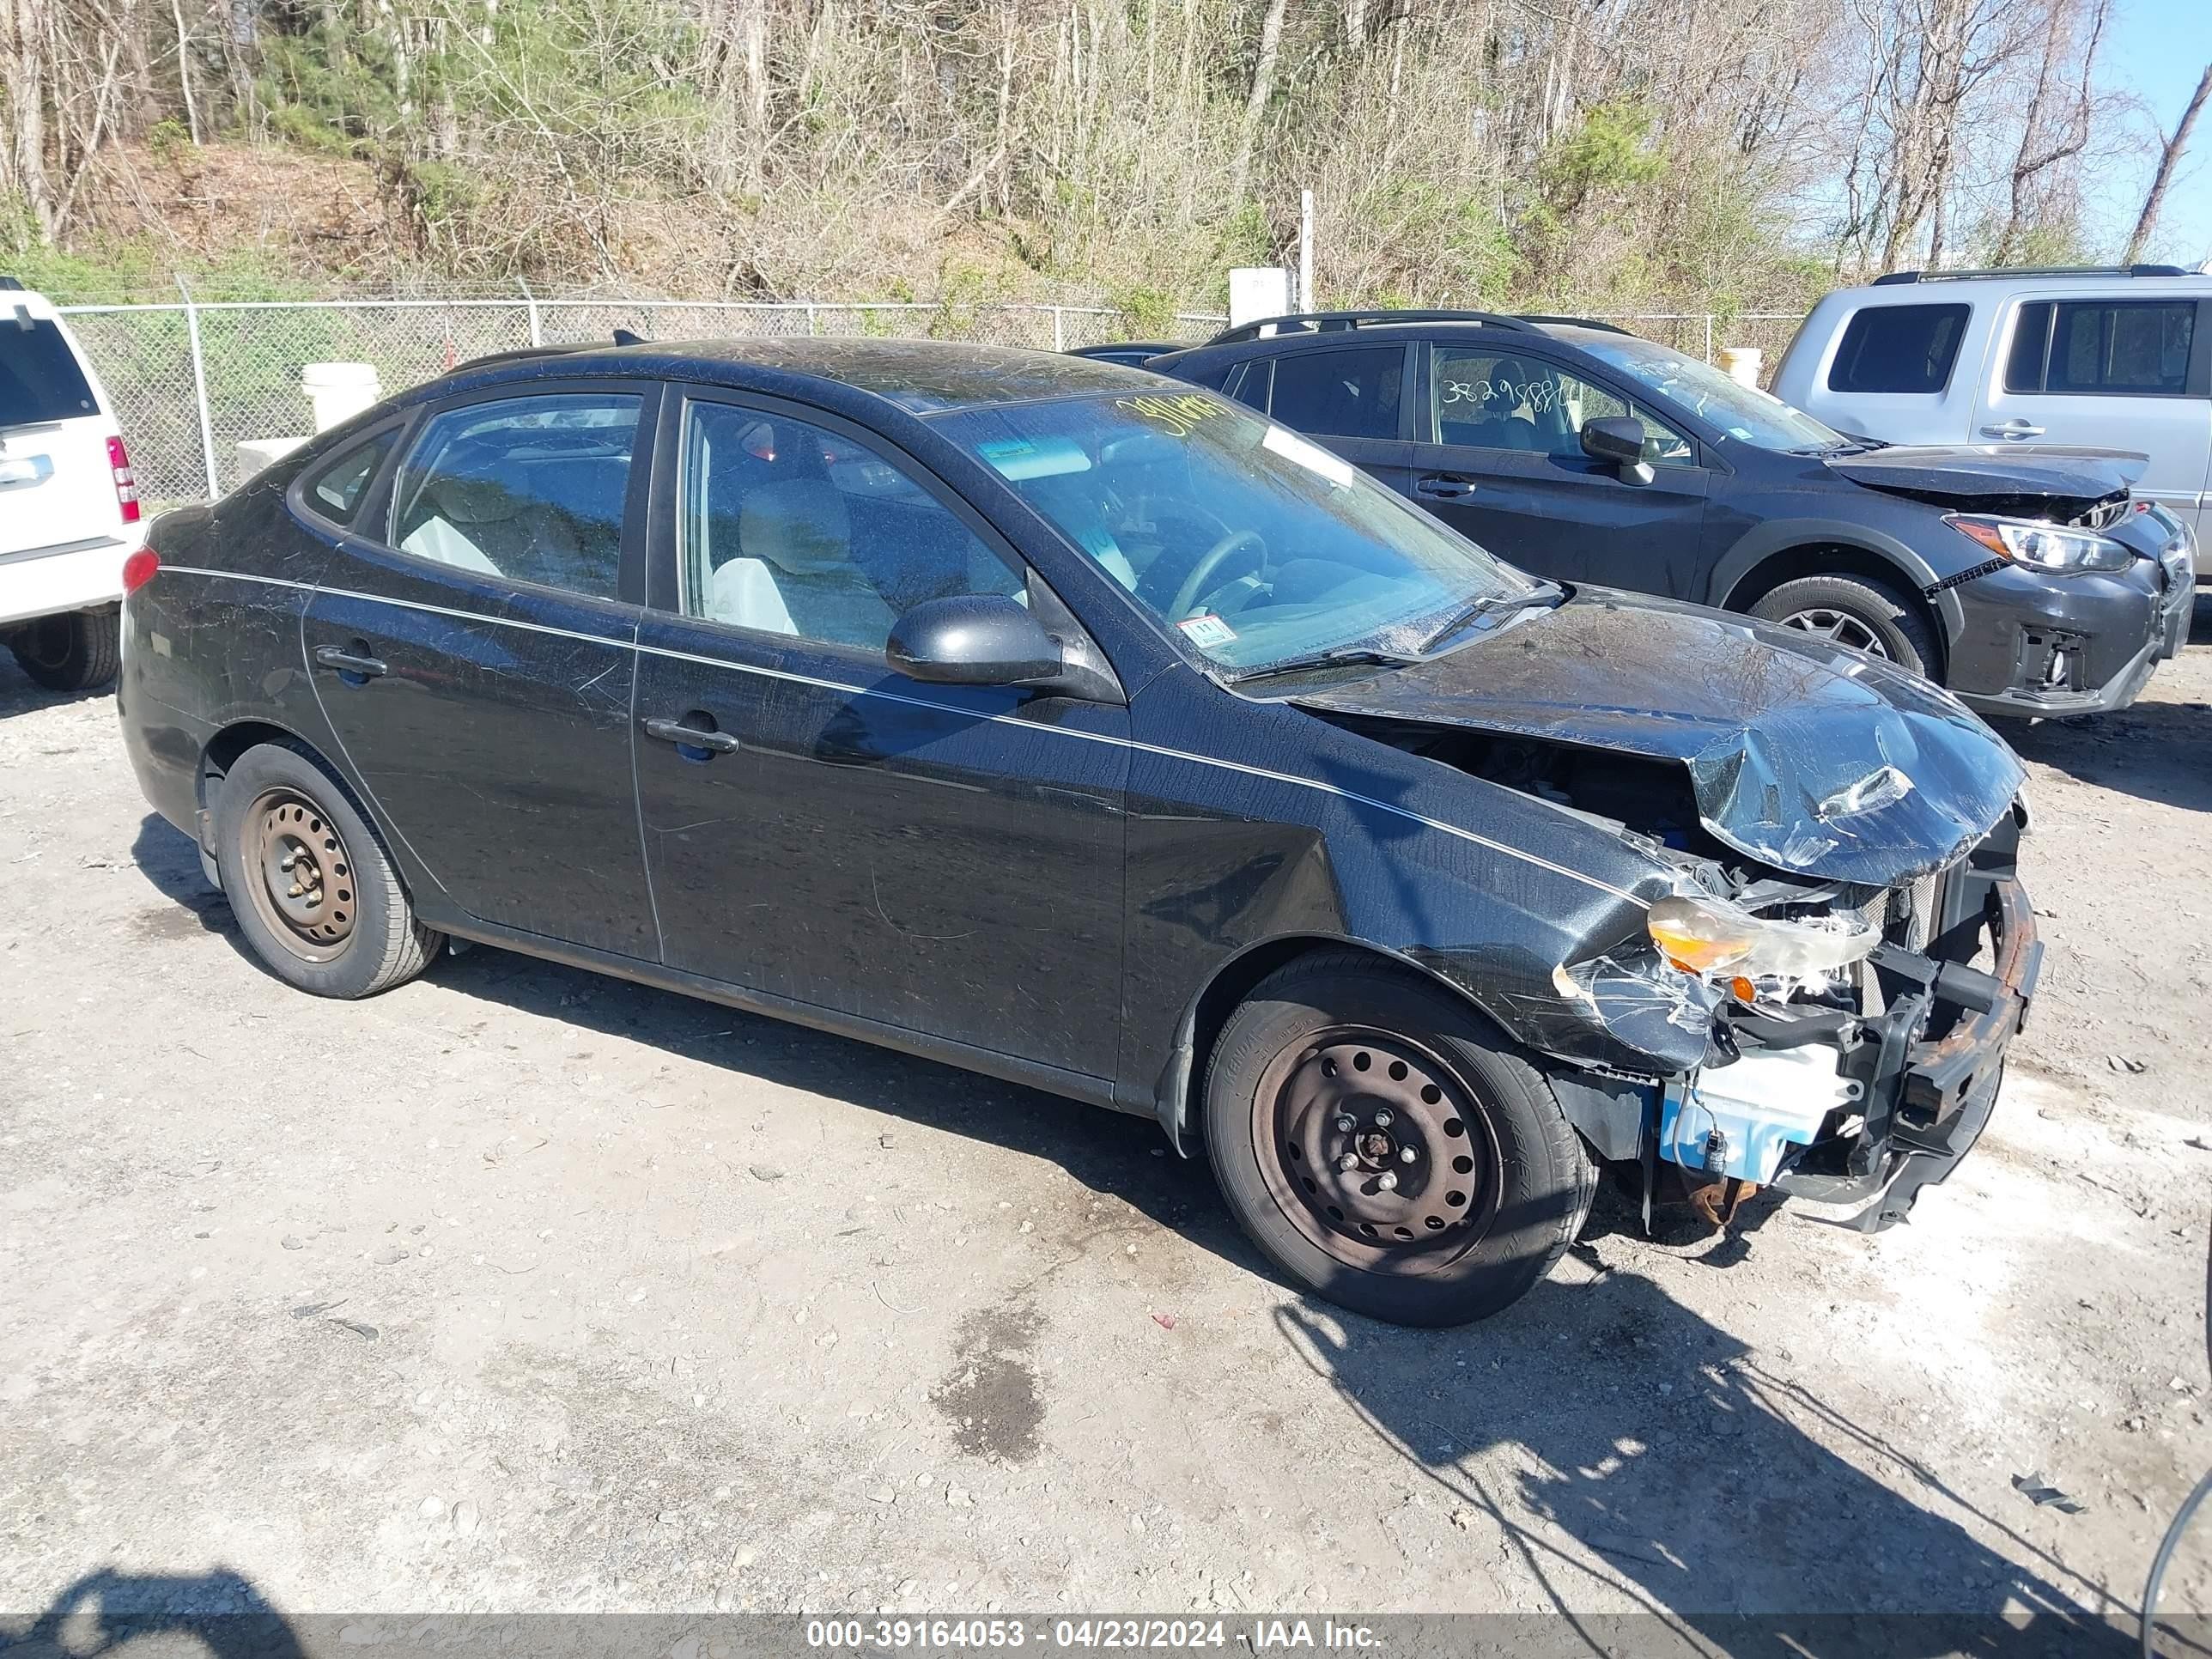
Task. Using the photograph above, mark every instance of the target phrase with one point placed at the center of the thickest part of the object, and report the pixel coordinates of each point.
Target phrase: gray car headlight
(2043, 546)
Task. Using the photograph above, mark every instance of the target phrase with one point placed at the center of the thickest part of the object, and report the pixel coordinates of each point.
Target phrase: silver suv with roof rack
(2116, 357)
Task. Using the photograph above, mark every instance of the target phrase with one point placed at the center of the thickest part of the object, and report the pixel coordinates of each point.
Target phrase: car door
(474, 654)
(1350, 395)
(1498, 456)
(2117, 373)
(938, 859)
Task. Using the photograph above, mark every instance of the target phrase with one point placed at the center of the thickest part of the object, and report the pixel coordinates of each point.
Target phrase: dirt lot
(520, 1289)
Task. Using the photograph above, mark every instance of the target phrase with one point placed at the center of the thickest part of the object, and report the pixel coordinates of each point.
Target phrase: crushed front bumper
(1932, 1061)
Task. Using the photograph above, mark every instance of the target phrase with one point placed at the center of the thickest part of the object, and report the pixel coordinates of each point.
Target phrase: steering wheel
(1211, 561)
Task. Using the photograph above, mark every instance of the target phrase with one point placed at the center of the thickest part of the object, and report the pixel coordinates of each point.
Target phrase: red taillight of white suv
(127, 481)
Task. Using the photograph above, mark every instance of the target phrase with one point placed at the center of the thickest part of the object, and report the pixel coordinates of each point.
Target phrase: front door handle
(355, 664)
(691, 736)
(1443, 487)
(2015, 428)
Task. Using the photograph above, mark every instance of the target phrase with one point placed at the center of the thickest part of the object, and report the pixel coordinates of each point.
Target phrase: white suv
(2116, 359)
(68, 506)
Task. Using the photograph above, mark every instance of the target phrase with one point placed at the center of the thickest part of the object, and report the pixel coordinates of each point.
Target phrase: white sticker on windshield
(1206, 631)
(1311, 456)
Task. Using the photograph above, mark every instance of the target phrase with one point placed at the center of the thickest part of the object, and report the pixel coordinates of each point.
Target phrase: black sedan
(1055, 721)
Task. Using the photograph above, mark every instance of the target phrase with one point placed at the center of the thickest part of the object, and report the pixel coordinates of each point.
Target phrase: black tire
(1896, 623)
(75, 652)
(1484, 1209)
(354, 933)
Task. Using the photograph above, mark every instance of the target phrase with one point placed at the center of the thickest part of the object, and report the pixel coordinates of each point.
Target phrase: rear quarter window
(40, 379)
(1898, 349)
(2115, 348)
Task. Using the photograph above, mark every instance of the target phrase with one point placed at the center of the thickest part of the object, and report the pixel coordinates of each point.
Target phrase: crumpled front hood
(1802, 755)
(1973, 472)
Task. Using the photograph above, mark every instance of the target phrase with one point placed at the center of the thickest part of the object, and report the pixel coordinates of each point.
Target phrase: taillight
(138, 569)
(127, 481)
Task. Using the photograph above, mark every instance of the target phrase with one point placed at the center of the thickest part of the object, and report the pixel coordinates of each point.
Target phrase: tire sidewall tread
(1912, 644)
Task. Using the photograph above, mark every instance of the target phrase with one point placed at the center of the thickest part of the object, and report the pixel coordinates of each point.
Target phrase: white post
(199, 391)
(530, 302)
(810, 330)
(1305, 251)
(1058, 332)
(1708, 336)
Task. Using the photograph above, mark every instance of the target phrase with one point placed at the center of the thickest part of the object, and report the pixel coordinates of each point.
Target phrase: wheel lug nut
(1407, 1155)
(1348, 1162)
(1388, 1181)
(1382, 1118)
(1345, 1124)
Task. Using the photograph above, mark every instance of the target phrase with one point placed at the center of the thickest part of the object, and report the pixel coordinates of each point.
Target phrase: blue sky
(2157, 49)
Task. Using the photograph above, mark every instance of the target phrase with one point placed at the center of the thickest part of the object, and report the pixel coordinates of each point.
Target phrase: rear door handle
(1443, 487)
(2014, 429)
(355, 664)
(691, 737)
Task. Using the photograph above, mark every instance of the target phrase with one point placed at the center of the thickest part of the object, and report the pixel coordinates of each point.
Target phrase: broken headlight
(1713, 938)
(2043, 546)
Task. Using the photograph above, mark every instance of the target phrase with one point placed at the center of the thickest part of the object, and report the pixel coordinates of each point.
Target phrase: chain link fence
(192, 379)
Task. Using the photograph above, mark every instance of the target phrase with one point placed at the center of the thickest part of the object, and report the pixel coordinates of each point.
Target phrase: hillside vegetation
(1695, 154)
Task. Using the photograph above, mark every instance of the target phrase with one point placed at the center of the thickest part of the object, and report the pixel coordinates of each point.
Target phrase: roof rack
(1890, 278)
(1324, 322)
(1571, 322)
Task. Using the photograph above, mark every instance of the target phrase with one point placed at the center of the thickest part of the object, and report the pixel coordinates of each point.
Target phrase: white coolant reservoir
(1739, 1119)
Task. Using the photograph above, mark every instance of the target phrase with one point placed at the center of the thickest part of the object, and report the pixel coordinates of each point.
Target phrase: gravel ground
(519, 1289)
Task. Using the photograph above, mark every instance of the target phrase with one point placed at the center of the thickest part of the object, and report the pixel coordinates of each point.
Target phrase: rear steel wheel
(313, 890)
(305, 891)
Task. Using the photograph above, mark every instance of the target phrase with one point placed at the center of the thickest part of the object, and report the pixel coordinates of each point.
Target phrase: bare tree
(2169, 158)
(1256, 106)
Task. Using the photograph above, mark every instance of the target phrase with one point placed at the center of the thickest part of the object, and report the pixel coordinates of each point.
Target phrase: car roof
(922, 377)
(1911, 288)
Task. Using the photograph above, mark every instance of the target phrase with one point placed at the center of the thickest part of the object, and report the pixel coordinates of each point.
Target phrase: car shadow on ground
(20, 694)
(2156, 751)
(1663, 1447)
(222, 1611)
(1629, 1452)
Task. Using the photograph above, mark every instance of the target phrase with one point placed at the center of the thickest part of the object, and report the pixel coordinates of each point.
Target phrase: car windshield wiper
(1341, 657)
(1490, 604)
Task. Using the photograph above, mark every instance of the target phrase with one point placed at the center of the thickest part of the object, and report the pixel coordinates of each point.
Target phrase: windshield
(1259, 547)
(1742, 411)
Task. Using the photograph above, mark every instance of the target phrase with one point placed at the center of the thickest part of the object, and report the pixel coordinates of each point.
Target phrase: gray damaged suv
(2031, 581)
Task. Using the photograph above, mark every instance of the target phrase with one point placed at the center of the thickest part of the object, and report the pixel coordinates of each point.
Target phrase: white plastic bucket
(1740, 363)
(338, 392)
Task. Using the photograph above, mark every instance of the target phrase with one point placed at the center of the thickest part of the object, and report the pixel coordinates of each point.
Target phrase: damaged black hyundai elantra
(1060, 722)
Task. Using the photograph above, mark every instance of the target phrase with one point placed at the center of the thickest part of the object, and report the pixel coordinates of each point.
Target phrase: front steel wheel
(1387, 1146)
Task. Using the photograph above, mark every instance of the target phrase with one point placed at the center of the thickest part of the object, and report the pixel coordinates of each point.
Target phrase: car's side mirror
(982, 639)
(1619, 441)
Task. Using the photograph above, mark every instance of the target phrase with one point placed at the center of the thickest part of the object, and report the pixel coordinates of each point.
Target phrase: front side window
(336, 492)
(1744, 412)
(1340, 394)
(787, 528)
(1496, 400)
(1258, 547)
(2113, 347)
(530, 488)
(1898, 349)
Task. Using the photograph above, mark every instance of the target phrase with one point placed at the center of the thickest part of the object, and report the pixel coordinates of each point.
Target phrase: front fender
(1764, 540)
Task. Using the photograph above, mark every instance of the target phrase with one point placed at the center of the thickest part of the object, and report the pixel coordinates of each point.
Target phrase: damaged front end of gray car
(1817, 992)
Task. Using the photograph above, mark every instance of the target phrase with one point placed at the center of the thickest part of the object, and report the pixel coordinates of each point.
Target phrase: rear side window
(40, 379)
(1898, 349)
(1341, 394)
(530, 488)
(336, 492)
(2119, 348)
